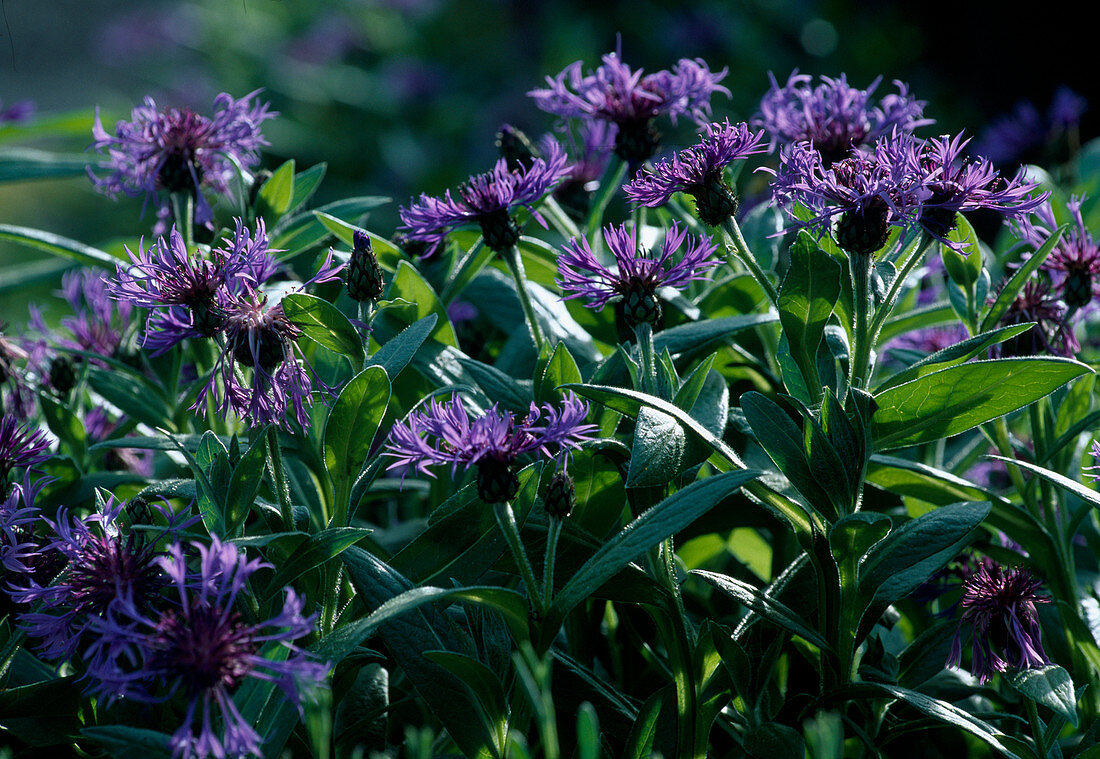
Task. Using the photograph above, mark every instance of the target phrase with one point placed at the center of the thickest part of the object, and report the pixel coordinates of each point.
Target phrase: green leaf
(767, 607)
(950, 714)
(305, 184)
(499, 386)
(325, 324)
(772, 740)
(59, 246)
(408, 284)
(1049, 685)
(640, 743)
(657, 452)
(952, 400)
(400, 349)
(659, 522)
(806, 299)
(911, 553)
(245, 483)
(953, 355)
(700, 335)
(472, 262)
(312, 552)
(19, 164)
(965, 267)
(136, 397)
(1016, 282)
(483, 682)
(65, 424)
(126, 742)
(561, 369)
(353, 422)
(277, 193)
(296, 234)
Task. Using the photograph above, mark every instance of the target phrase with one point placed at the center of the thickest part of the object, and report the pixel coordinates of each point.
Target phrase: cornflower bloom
(20, 447)
(1095, 453)
(834, 116)
(202, 650)
(999, 606)
(951, 186)
(698, 172)
(925, 342)
(624, 97)
(16, 525)
(16, 113)
(99, 426)
(869, 191)
(258, 335)
(639, 272)
(188, 292)
(179, 151)
(488, 200)
(591, 148)
(443, 433)
(1024, 135)
(104, 568)
(1053, 330)
(1074, 263)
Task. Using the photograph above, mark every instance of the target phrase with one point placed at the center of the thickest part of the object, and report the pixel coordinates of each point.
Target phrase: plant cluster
(781, 442)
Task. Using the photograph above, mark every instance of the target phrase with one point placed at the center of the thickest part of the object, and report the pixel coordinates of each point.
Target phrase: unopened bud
(364, 274)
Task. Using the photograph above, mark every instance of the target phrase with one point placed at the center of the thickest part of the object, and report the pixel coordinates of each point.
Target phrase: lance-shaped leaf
(806, 299)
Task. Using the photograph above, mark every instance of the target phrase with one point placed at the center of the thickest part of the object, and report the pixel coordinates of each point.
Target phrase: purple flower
(926, 341)
(98, 426)
(1023, 134)
(177, 150)
(1095, 453)
(1074, 264)
(591, 148)
(18, 400)
(259, 337)
(999, 606)
(698, 172)
(20, 446)
(17, 113)
(104, 569)
(869, 191)
(488, 200)
(201, 649)
(1053, 330)
(834, 116)
(444, 434)
(639, 272)
(188, 291)
(631, 101)
(951, 186)
(16, 526)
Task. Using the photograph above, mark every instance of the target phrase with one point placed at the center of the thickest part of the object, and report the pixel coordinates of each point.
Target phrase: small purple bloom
(999, 606)
(189, 291)
(951, 186)
(834, 116)
(178, 150)
(1053, 330)
(1074, 264)
(16, 526)
(16, 113)
(1024, 134)
(258, 336)
(926, 341)
(20, 446)
(488, 200)
(698, 171)
(99, 426)
(444, 434)
(624, 97)
(202, 650)
(1095, 453)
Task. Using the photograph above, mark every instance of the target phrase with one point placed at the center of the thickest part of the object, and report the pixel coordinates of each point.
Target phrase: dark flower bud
(863, 232)
(499, 230)
(1077, 289)
(561, 495)
(496, 481)
(411, 248)
(640, 305)
(515, 148)
(715, 201)
(637, 141)
(364, 274)
(62, 375)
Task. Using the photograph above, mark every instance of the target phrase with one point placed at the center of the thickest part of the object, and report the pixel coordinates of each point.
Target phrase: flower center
(205, 648)
(863, 231)
(496, 481)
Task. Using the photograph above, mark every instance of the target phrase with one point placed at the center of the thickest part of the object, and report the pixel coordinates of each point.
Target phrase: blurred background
(404, 96)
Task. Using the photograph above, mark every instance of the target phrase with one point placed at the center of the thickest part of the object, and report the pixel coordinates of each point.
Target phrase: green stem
(278, 474)
(183, 209)
(559, 218)
(736, 246)
(515, 267)
(1036, 727)
(506, 519)
(1004, 447)
(552, 535)
(860, 369)
(643, 334)
(883, 312)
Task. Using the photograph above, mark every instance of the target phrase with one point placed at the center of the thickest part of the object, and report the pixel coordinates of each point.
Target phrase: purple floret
(20, 447)
(202, 649)
(178, 150)
(581, 274)
(1074, 263)
(999, 606)
(834, 116)
(488, 200)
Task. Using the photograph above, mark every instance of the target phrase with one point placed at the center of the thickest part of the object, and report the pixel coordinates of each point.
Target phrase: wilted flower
(1053, 330)
(639, 272)
(444, 434)
(202, 649)
(999, 606)
(834, 116)
(631, 101)
(698, 171)
(1074, 263)
(189, 291)
(177, 150)
(258, 336)
(488, 200)
(20, 446)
